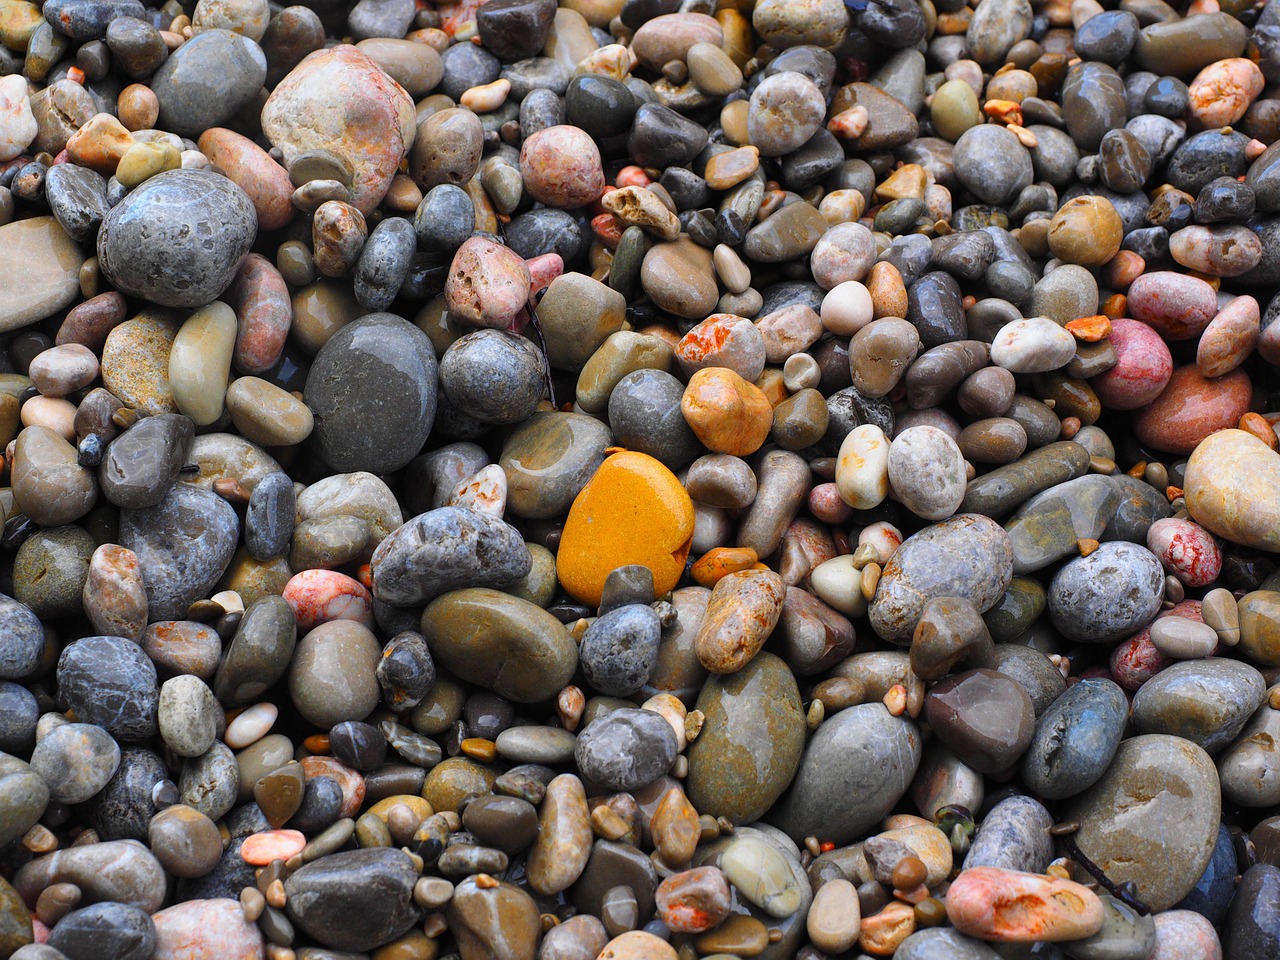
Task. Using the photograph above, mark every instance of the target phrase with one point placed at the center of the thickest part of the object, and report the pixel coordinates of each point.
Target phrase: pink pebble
(1143, 367)
(1229, 339)
(542, 270)
(1186, 550)
(825, 504)
(320, 596)
(1175, 305)
(260, 849)
(1185, 935)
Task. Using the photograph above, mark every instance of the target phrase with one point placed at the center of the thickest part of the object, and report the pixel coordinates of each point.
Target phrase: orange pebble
(260, 849)
(728, 414)
(1090, 329)
(632, 176)
(1070, 427)
(608, 228)
(1124, 268)
(719, 562)
(1116, 306)
(316, 743)
(1258, 425)
(478, 748)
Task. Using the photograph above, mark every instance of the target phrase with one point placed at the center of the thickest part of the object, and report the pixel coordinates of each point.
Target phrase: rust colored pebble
(260, 849)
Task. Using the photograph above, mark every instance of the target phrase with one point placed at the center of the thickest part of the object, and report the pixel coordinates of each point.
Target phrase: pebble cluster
(639, 480)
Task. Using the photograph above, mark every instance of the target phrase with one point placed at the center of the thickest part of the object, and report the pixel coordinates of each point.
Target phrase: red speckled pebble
(319, 596)
(561, 167)
(1187, 550)
(694, 900)
(265, 312)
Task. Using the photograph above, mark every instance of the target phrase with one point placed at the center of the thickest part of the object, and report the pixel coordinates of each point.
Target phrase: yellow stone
(633, 510)
(145, 159)
(1230, 489)
(905, 183)
(418, 805)
(730, 168)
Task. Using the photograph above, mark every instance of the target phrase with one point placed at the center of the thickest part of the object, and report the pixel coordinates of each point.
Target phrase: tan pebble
(487, 97)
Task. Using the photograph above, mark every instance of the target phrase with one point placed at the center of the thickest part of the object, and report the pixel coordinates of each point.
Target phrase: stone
(1009, 906)
(355, 900)
(38, 271)
(1180, 781)
(1221, 477)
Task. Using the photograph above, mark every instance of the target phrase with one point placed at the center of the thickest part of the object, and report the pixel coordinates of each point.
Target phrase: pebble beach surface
(639, 480)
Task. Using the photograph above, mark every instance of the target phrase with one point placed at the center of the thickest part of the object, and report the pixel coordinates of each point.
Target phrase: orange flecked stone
(633, 510)
(260, 849)
(719, 562)
(728, 414)
(1008, 906)
(252, 169)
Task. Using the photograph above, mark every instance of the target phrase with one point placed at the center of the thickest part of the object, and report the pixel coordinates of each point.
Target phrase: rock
(355, 900)
(1130, 841)
(341, 101)
(499, 922)
(1206, 702)
(1223, 477)
(193, 928)
(75, 760)
(105, 929)
(1007, 906)
(183, 545)
(207, 80)
(751, 740)
(511, 646)
(853, 772)
(967, 556)
(375, 365)
(1014, 835)
(1075, 739)
(1130, 579)
(123, 871)
(110, 682)
(39, 264)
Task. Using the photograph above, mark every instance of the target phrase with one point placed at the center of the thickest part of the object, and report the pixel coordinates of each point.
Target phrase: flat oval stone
(509, 645)
(1014, 835)
(854, 770)
(49, 485)
(548, 459)
(1108, 595)
(331, 676)
(560, 851)
(1205, 701)
(926, 471)
(372, 390)
(123, 871)
(751, 740)
(355, 900)
(967, 556)
(1075, 739)
(207, 81)
(743, 611)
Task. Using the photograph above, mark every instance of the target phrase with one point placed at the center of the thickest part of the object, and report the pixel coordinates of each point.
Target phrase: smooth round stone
(207, 81)
(177, 239)
(75, 760)
(1222, 479)
(77, 197)
(992, 164)
(50, 571)
(1075, 739)
(110, 682)
(626, 749)
(38, 271)
(545, 745)
(561, 167)
(196, 926)
(678, 277)
(1154, 780)
(620, 649)
(259, 652)
(1108, 595)
(751, 740)
(967, 556)
(926, 472)
(493, 375)
(24, 648)
(787, 109)
(1205, 701)
(938, 943)
(761, 875)
(984, 716)
(331, 677)
(185, 841)
(548, 459)
(1247, 768)
(111, 930)
(854, 770)
(183, 544)
(210, 783)
(662, 137)
(19, 713)
(1068, 292)
(395, 366)
(1176, 306)
(49, 485)
(516, 649)
(645, 416)
(1251, 928)
(354, 900)
(1086, 231)
(1191, 407)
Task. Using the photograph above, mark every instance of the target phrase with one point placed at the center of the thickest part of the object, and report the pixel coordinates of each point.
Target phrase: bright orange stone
(1090, 329)
(719, 562)
(260, 849)
(633, 510)
(728, 414)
